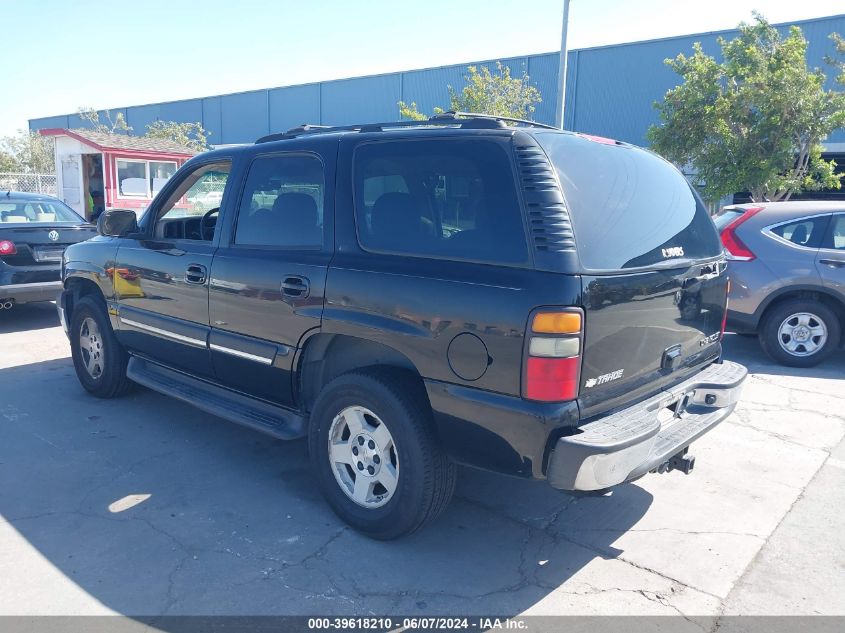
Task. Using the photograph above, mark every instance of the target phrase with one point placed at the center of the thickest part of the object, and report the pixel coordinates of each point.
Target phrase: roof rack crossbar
(451, 118)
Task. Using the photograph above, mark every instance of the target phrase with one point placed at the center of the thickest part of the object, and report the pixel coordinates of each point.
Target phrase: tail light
(7, 248)
(553, 356)
(737, 250)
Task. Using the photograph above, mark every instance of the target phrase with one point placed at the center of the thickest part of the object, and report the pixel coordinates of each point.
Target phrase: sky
(59, 56)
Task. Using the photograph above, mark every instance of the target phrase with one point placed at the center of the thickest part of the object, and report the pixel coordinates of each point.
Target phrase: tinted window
(282, 204)
(629, 207)
(442, 198)
(807, 233)
(837, 232)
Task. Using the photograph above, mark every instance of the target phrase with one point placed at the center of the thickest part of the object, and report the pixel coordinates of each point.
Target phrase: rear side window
(808, 232)
(453, 199)
(629, 207)
(282, 203)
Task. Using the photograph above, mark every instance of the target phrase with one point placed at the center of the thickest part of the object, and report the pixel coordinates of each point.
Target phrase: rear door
(654, 278)
(268, 277)
(830, 261)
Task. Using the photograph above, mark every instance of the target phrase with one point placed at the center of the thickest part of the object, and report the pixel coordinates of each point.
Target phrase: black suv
(414, 295)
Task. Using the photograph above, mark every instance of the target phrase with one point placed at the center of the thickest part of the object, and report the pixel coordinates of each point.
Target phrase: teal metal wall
(610, 92)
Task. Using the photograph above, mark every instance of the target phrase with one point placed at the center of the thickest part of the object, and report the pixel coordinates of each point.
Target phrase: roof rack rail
(467, 120)
(452, 115)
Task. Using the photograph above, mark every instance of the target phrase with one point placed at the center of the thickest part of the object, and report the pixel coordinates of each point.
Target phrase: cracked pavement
(233, 523)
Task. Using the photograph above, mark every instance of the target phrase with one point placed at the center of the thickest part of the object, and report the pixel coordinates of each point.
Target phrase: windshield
(35, 212)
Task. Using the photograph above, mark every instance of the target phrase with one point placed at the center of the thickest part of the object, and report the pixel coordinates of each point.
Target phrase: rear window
(629, 207)
(725, 216)
(444, 198)
(35, 212)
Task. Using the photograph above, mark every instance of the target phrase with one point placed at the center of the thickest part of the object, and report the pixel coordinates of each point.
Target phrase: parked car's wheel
(99, 359)
(374, 453)
(800, 333)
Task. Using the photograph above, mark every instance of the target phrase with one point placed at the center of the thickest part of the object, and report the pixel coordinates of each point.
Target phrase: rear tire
(800, 333)
(398, 478)
(99, 359)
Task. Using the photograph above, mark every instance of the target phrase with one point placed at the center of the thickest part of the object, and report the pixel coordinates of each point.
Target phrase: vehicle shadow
(29, 316)
(152, 507)
(747, 348)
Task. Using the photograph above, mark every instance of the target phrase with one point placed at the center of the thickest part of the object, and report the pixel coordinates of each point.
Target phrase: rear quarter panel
(778, 267)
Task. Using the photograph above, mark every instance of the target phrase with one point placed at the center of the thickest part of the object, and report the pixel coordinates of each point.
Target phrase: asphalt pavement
(146, 506)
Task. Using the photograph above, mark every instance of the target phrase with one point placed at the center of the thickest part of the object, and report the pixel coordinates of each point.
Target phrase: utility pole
(561, 73)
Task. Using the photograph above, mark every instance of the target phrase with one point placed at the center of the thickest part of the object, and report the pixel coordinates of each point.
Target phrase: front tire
(99, 359)
(800, 333)
(374, 453)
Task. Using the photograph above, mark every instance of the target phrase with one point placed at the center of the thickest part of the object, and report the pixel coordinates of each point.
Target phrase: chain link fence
(32, 183)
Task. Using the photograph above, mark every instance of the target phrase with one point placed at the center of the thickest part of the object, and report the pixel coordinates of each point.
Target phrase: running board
(235, 407)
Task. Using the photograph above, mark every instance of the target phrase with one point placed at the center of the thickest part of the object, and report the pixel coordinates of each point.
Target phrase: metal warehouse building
(610, 92)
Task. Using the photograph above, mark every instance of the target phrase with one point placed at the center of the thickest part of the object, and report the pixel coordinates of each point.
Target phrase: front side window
(282, 203)
(191, 210)
(451, 199)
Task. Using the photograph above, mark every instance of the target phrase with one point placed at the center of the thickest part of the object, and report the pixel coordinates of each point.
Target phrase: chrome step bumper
(634, 441)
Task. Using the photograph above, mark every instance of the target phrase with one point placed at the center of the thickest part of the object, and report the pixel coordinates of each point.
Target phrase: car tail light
(553, 356)
(737, 250)
(7, 248)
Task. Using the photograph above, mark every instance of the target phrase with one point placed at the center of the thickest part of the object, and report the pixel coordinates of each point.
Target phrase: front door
(268, 277)
(161, 279)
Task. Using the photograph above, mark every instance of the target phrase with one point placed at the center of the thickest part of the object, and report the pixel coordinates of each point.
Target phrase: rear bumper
(29, 292)
(627, 444)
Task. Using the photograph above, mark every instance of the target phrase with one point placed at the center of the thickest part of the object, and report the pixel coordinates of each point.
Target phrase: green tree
(27, 152)
(8, 163)
(110, 125)
(754, 121)
(486, 92)
(191, 135)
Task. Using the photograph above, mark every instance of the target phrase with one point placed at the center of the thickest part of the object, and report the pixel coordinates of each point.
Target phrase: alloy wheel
(363, 457)
(91, 346)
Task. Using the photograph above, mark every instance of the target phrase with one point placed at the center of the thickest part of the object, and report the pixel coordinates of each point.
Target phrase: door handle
(835, 263)
(196, 274)
(296, 286)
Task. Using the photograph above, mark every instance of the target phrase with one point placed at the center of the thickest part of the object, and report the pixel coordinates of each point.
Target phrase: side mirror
(117, 223)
